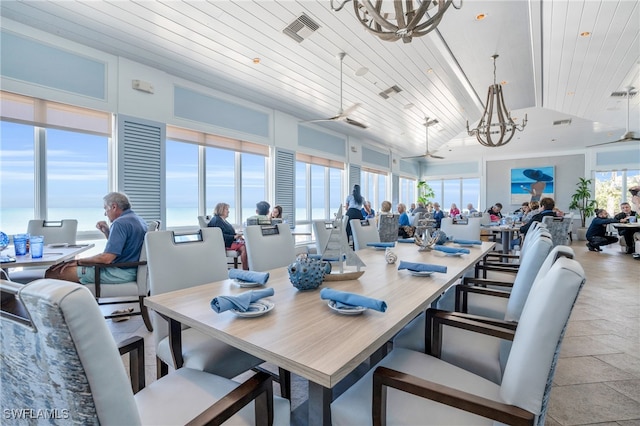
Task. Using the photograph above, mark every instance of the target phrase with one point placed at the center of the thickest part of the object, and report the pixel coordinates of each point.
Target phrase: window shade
(378, 172)
(41, 113)
(319, 161)
(201, 138)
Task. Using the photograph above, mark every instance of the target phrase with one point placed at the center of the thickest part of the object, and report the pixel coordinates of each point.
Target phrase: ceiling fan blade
(618, 141)
(414, 156)
(350, 110)
(436, 156)
(319, 120)
(355, 123)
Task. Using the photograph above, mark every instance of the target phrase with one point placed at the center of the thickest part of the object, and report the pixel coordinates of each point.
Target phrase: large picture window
(319, 191)
(612, 188)
(182, 184)
(460, 191)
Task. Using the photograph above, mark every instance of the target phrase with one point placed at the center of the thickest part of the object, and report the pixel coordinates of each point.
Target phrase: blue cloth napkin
(241, 301)
(468, 242)
(392, 244)
(446, 249)
(421, 267)
(249, 276)
(349, 300)
(406, 240)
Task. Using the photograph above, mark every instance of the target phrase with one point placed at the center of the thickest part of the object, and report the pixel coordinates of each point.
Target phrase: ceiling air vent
(390, 91)
(565, 122)
(623, 94)
(301, 28)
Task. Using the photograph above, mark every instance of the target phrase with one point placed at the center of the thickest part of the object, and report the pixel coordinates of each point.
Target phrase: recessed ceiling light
(571, 93)
(480, 16)
(585, 34)
(409, 106)
(429, 70)
(256, 60)
(503, 82)
(362, 71)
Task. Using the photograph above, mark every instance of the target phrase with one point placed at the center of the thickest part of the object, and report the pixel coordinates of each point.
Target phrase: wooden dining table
(302, 334)
(52, 255)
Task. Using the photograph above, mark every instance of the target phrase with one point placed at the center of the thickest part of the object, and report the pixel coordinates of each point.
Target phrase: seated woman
(276, 212)
(405, 230)
(232, 240)
(454, 210)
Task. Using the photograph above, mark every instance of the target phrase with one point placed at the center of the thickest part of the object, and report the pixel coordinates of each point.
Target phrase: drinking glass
(37, 246)
(20, 244)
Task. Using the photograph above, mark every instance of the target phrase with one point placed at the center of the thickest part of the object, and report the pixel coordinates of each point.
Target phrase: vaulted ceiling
(552, 73)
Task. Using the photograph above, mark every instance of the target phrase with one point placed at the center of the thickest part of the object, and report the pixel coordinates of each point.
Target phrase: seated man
(597, 232)
(367, 211)
(627, 234)
(262, 214)
(124, 242)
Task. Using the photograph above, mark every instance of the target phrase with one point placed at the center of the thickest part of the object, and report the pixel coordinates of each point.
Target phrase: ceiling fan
(343, 114)
(628, 135)
(427, 123)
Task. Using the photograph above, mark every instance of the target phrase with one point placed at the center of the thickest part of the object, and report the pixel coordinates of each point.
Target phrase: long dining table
(302, 334)
(52, 255)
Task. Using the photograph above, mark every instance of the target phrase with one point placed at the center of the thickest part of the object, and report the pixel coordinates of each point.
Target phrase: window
(17, 177)
(220, 173)
(460, 191)
(611, 188)
(253, 178)
(77, 177)
(182, 184)
(374, 187)
(318, 187)
(407, 191)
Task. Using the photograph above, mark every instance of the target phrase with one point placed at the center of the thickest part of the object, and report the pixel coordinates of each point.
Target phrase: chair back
(321, 233)
(462, 231)
(203, 221)
(388, 225)
(154, 225)
(485, 219)
(528, 375)
(364, 231)
(57, 351)
(176, 261)
(269, 246)
(559, 228)
(55, 232)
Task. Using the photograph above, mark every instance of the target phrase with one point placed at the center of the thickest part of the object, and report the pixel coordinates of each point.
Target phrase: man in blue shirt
(597, 232)
(124, 242)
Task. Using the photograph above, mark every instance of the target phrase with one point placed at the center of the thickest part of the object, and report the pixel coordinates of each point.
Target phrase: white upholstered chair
(461, 231)
(54, 232)
(410, 387)
(559, 227)
(474, 298)
(268, 249)
(364, 231)
(233, 255)
(197, 259)
(58, 352)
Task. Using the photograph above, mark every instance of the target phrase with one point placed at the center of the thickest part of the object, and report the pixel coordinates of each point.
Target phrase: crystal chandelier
(403, 20)
(496, 127)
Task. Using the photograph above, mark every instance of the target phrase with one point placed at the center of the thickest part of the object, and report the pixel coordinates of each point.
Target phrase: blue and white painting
(531, 184)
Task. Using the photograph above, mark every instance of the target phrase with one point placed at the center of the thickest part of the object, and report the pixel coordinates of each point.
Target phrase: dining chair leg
(162, 369)
(145, 314)
(285, 383)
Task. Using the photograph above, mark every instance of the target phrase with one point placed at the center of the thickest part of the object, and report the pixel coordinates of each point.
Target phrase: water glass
(632, 219)
(37, 246)
(20, 244)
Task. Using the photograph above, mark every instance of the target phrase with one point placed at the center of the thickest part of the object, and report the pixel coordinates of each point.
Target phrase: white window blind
(38, 112)
(201, 138)
(319, 161)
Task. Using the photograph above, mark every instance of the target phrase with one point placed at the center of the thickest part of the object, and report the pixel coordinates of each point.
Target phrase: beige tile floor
(597, 380)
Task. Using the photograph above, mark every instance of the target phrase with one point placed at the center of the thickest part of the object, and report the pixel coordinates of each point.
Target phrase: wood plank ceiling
(552, 73)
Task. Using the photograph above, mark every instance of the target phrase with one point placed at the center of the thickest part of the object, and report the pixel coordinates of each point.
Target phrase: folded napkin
(421, 267)
(406, 240)
(249, 276)
(392, 244)
(468, 242)
(446, 249)
(241, 301)
(344, 299)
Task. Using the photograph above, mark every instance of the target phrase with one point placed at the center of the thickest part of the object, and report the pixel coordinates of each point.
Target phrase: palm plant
(425, 192)
(581, 200)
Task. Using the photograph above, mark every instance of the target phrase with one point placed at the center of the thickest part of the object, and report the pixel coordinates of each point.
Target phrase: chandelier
(496, 127)
(406, 19)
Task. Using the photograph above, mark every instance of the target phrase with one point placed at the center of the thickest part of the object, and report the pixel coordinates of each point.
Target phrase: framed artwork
(531, 184)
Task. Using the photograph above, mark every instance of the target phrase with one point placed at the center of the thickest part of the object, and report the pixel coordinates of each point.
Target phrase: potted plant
(581, 200)
(425, 192)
